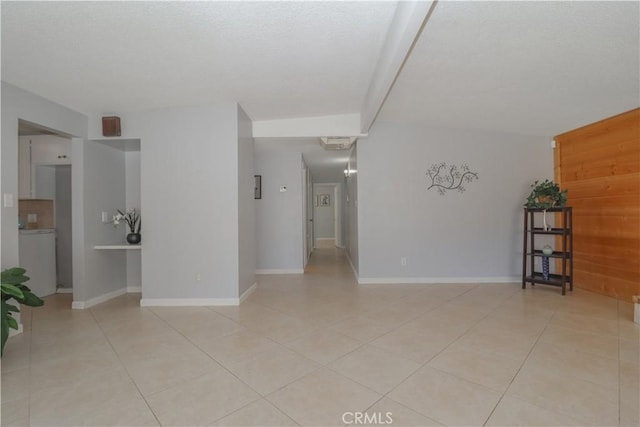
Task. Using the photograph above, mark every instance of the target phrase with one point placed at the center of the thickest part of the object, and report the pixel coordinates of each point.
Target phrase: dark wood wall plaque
(111, 126)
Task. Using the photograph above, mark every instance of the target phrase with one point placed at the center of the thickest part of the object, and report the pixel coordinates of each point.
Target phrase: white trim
(81, 305)
(433, 280)
(187, 302)
(134, 289)
(248, 292)
(280, 271)
(325, 238)
(64, 290)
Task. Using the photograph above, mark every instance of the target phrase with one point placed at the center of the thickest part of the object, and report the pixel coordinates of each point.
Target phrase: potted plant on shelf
(133, 220)
(545, 195)
(12, 288)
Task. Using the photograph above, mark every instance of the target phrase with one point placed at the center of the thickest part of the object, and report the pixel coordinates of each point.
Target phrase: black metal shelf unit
(562, 254)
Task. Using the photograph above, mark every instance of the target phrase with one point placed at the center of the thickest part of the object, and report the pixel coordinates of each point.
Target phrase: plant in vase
(134, 222)
(546, 195)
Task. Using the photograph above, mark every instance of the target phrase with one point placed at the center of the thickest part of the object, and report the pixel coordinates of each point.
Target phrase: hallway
(329, 263)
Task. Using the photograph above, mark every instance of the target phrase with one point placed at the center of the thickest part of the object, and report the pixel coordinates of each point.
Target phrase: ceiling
(277, 59)
(538, 68)
(535, 68)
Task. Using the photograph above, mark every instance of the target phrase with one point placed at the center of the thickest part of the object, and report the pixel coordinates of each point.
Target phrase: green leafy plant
(13, 288)
(546, 194)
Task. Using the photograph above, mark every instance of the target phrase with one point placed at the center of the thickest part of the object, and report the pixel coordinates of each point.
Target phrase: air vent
(337, 142)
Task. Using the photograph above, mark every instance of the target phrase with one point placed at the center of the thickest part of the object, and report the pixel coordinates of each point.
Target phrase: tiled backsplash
(39, 209)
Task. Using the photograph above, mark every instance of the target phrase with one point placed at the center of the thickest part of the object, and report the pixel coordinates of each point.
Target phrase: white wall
(247, 236)
(475, 235)
(189, 197)
(279, 215)
(132, 197)
(103, 177)
(351, 208)
(20, 104)
(64, 223)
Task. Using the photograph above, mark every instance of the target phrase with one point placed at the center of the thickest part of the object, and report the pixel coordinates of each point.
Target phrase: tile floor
(314, 350)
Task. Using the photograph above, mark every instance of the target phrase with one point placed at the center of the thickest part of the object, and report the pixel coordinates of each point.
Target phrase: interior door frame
(338, 205)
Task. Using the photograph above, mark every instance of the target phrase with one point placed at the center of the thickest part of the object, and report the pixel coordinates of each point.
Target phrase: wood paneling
(599, 165)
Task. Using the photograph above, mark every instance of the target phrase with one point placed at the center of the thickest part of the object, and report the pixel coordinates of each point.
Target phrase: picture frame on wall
(324, 200)
(257, 187)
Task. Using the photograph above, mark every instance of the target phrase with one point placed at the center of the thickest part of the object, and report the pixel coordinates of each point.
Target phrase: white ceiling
(538, 68)
(277, 59)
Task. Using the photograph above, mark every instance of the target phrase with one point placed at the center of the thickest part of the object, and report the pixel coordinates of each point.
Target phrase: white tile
(231, 365)
(267, 372)
(375, 368)
(322, 398)
(202, 400)
(446, 398)
(260, 413)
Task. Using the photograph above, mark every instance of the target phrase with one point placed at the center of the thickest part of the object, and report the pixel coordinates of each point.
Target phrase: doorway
(44, 208)
(327, 215)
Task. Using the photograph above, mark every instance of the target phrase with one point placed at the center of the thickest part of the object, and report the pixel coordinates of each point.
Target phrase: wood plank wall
(600, 166)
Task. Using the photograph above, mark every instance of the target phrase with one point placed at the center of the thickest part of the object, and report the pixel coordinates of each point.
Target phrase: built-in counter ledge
(124, 246)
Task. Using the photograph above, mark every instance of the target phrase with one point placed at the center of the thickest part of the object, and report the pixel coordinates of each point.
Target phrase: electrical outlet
(403, 261)
(198, 277)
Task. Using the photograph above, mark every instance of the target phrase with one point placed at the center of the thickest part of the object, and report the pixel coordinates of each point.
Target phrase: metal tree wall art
(450, 177)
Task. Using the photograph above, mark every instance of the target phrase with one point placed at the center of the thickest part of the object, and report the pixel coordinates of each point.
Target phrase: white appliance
(38, 257)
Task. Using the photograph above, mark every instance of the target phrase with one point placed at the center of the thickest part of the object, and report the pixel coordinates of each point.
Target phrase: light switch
(8, 200)
(105, 217)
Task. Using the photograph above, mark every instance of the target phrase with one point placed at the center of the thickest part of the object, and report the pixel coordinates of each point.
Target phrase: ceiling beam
(336, 125)
(408, 21)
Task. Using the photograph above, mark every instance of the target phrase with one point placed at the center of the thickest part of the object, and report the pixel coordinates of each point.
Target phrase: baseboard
(280, 271)
(248, 292)
(134, 289)
(81, 305)
(435, 280)
(64, 290)
(188, 302)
